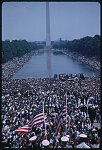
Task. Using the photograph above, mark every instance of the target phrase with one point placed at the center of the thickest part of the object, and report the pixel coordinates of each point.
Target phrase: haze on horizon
(68, 20)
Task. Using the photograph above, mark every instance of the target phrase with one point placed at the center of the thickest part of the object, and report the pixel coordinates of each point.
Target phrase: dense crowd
(21, 98)
(92, 62)
(11, 67)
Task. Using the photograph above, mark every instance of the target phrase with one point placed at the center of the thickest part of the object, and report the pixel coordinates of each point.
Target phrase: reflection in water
(49, 63)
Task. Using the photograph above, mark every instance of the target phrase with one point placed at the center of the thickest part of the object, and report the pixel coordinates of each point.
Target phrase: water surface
(46, 64)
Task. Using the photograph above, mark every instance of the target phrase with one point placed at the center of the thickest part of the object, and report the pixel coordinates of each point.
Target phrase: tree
(87, 46)
(16, 48)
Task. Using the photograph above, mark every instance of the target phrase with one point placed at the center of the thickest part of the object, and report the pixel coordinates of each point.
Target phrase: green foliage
(87, 46)
(16, 48)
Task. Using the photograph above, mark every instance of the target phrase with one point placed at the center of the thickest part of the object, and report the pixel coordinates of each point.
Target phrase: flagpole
(44, 120)
(66, 111)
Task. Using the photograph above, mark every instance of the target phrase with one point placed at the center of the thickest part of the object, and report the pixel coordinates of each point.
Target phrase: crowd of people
(92, 62)
(21, 98)
(11, 67)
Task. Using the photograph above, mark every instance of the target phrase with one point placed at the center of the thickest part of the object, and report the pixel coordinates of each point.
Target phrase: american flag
(64, 111)
(59, 117)
(64, 107)
(37, 120)
(20, 133)
(58, 123)
(25, 129)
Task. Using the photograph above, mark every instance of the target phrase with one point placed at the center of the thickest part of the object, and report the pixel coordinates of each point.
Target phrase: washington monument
(48, 40)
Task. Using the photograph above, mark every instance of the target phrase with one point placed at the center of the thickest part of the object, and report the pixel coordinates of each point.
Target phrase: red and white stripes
(58, 121)
(64, 111)
(25, 129)
(38, 119)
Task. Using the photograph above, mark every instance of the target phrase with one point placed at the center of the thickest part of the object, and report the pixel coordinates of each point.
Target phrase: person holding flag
(59, 119)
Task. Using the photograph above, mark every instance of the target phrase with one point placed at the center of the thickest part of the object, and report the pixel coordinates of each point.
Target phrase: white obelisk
(48, 41)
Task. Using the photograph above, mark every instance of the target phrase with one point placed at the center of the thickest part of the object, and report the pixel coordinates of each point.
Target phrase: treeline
(17, 48)
(87, 46)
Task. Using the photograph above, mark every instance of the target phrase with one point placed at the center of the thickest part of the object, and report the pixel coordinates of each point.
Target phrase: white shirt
(95, 146)
(89, 126)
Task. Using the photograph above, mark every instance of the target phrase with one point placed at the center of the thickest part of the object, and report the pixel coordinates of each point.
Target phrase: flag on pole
(63, 108)
(37, 120)
(58, 123)
(25, 129)
(64, 111)
(59, 117)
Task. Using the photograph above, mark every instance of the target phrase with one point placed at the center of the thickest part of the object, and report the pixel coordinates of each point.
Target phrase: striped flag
(25, 129)
(64, 111)
(20, 133)
(59, 117)
(58, 123)
(37, 120)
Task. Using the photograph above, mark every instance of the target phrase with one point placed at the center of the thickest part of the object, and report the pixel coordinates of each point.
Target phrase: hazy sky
(68, 20)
